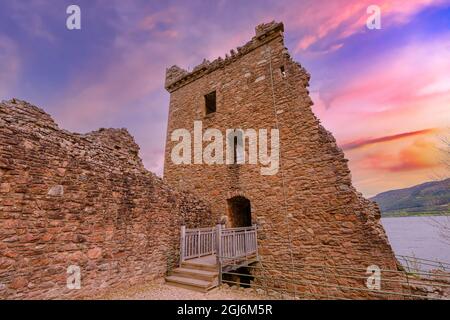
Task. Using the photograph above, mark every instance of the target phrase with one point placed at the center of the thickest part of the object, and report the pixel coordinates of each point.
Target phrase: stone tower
(308, 212)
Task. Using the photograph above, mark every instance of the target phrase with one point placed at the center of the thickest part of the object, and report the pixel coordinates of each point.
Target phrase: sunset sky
(384, 94)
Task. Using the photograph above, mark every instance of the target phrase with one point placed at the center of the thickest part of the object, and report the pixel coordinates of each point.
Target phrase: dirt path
(163, 291)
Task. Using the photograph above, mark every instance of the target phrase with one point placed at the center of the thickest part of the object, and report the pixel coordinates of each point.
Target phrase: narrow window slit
(283, 72)
(210, 103)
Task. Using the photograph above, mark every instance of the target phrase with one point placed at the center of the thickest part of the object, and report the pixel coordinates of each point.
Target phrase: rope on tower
(268, 50)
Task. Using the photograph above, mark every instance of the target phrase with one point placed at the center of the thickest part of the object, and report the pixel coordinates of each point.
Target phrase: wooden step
(189, 283)
(195, 273)
(199, 266)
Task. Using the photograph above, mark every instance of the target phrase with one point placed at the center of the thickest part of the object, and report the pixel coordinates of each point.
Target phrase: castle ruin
(82, 202)
(308, 212)
(86, 200)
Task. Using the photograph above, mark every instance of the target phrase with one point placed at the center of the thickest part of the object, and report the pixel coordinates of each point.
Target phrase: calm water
(417, 236)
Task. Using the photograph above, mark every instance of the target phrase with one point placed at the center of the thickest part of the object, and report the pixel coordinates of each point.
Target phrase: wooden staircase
(199, 268)
(195, 274)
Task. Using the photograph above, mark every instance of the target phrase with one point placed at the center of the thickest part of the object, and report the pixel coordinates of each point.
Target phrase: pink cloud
(383, 97)
(340, 19)
(402, 89)
(134, 78)
(167, 16)
(421, 154)
(165, 19)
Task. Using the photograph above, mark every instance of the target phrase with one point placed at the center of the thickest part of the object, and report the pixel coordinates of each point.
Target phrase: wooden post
(245, 243)
(219, 251)
(219, 243)
(198, 244)
(234, 244)
(182, 242)
(256, 240)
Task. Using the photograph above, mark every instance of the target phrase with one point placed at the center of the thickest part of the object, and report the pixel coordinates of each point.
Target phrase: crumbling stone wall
(308, 212)
(81, 199)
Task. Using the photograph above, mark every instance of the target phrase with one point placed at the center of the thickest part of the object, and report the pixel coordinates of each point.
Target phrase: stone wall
(81, 199)
(308, 212)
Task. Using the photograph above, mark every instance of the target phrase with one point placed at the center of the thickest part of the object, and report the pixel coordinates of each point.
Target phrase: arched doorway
(239, 212)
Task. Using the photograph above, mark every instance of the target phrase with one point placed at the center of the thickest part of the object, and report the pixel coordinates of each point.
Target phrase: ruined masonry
(308, 212)
(84, 200)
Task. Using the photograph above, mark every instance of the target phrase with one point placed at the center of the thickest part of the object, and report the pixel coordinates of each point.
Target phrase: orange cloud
(397, 161)
(365, 142)
(421, 154)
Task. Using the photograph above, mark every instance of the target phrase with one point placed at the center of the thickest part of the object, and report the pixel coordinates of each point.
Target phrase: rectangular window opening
(210, 103)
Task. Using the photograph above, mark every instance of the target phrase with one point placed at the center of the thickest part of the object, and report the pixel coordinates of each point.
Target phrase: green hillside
(424, 199)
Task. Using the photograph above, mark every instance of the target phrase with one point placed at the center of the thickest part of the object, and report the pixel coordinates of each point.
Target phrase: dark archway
(239, 212)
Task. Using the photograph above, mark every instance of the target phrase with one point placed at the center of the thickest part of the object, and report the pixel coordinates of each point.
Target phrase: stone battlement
(265, 32)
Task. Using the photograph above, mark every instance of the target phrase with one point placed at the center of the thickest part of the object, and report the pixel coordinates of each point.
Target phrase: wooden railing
(229, 244)
(196, 243)
(237, 243)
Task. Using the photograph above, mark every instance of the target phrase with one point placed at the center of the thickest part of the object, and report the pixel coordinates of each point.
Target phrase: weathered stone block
(56, 191)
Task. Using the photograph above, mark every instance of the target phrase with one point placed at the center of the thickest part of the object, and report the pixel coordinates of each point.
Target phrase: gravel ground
(163, 291)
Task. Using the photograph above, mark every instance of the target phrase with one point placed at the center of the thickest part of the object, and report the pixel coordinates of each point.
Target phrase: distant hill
(427, 198)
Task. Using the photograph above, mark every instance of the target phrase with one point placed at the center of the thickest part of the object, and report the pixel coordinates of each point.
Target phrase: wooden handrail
(226, 243)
